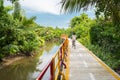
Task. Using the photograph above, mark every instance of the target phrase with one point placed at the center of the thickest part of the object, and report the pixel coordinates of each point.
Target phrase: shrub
(10, 49)
(31, 43)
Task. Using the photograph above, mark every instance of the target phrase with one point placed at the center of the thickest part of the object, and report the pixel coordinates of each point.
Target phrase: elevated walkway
(84, 65)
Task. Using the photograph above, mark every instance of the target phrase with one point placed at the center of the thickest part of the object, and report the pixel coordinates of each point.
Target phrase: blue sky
(48, 12)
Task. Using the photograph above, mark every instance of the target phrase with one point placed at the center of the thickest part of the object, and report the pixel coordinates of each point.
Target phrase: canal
(30, 67)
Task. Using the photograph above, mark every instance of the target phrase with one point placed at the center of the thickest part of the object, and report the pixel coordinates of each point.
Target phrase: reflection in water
(30, 67)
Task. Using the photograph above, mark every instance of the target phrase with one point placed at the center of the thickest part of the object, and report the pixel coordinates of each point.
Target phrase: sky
(48, 12)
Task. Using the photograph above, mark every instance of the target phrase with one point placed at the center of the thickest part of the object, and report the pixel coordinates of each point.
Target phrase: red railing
(44, 71)
(56, 67)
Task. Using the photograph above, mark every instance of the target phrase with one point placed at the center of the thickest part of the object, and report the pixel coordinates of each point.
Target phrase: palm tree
(108, 7)
(13, 1)
(1, 5)
(29, 22)
(17, 11)
(76, 5)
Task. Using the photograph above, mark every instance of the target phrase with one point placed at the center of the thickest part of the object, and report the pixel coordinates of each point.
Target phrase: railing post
(52, 70)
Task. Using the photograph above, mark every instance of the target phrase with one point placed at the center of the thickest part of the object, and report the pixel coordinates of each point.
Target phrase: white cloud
(45, 6)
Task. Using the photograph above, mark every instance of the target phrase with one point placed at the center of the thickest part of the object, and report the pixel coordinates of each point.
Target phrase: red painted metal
(44, 71)
(60, 53)
(64, 64)
(51, 71)
(50, 64)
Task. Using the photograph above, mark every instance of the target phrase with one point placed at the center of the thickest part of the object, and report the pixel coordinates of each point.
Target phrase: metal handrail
(57, 68)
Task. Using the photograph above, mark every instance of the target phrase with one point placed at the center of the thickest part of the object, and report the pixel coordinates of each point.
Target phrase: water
(29, 68)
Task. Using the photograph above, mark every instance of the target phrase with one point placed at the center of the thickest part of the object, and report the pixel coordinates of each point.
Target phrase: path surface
(83, 66)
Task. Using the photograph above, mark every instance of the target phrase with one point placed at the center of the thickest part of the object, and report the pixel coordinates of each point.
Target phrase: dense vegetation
(105, 40)
(21, 35)
(101, 37)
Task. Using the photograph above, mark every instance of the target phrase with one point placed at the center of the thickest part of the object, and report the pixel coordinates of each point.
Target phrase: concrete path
(83, 66)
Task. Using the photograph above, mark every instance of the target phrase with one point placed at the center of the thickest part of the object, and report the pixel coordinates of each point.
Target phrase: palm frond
(76, 5)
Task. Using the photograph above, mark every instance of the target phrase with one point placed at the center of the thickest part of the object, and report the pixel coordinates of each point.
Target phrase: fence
(58, 65)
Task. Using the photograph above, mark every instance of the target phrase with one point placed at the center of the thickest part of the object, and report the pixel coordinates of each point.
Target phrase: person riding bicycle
(73, 40)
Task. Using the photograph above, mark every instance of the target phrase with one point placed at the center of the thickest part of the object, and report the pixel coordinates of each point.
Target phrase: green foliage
(100, 36)
(1, 4)
(75, 21)
(109, 58)
(10, 49)
(8, 35)
(81, 28)
(110, 8)
(17, 11)
(12, 1)
(82, 19)
(107, 39)
(28, 22)
(8, 8)
(20, 34)
(31, 43)
(49, 33)
(14, 39)
(105, 36)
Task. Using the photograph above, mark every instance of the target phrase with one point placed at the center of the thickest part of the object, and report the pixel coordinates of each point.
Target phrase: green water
(30, 67)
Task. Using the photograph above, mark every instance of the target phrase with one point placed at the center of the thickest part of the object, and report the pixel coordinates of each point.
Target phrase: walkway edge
(68, 62)
(113, 73)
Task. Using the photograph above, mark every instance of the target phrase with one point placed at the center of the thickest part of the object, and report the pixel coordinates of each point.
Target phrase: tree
(78, 20)
(1, 4)
(12, 1)
(28, 22)
(1, 7)
(17, 11)
(110, 8)
(74, 21)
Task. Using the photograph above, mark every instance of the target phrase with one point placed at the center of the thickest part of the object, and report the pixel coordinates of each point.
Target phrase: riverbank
(9, 60)
(28, 68)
